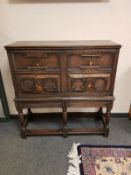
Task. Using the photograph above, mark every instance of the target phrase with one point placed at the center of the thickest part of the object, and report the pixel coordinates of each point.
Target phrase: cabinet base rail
(35, 132)
(65, 130)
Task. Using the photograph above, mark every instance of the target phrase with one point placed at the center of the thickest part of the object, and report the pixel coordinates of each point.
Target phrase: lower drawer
(37, 84)
(88, 83)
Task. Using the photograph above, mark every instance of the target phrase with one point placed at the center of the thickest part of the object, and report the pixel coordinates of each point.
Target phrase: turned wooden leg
(106, 121)
(21, 120)
(65, 129)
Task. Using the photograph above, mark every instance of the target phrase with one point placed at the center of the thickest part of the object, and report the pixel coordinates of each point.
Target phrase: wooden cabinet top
(65, 44)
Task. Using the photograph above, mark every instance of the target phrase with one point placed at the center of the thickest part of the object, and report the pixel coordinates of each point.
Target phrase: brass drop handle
(90, 65)
(39, 87)
(37, 64)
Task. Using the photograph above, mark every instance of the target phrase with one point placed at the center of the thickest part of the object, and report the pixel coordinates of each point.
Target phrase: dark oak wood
(63, 74)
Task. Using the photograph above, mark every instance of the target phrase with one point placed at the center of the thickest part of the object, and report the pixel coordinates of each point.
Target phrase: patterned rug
(99, 160)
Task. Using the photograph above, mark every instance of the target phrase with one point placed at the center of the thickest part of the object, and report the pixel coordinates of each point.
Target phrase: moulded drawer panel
(94, 83)
(38, 60)
(85, 61)
(37, 84)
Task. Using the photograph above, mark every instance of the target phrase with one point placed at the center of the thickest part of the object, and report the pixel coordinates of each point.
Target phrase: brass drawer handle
(40, 67)
(82, 67)
(36, 64)
(37, 55)
(78, 89)
(90, 55)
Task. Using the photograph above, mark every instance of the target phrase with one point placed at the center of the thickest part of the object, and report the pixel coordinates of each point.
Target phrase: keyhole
(90, 63)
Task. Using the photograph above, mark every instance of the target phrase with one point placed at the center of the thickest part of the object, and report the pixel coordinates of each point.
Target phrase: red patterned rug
(99, 160)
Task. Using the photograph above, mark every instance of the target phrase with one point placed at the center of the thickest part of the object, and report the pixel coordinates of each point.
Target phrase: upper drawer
(36, 60)
(90, 60)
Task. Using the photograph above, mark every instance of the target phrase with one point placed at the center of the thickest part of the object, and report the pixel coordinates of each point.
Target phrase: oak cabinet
(63, 74)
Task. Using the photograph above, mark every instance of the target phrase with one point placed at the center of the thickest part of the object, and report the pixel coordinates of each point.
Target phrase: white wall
(69, 20)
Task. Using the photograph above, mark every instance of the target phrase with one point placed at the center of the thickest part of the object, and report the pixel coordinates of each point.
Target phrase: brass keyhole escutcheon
(89, 85)
(91, 63)
(38, 87)
(36, 62)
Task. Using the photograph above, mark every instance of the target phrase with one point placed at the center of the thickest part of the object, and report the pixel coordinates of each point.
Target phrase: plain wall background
(69, 20)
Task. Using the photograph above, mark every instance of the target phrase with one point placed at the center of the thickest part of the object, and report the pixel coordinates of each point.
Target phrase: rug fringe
(74, 161)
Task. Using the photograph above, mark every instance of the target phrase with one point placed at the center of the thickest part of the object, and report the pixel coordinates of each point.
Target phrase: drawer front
(32, 60)
(90, 60)
(88, 83)
(37, 84)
